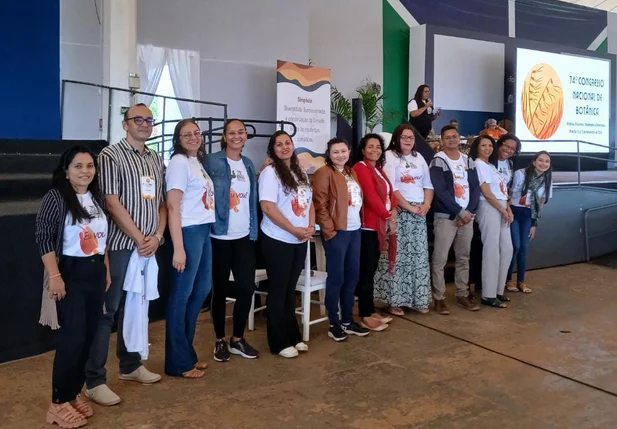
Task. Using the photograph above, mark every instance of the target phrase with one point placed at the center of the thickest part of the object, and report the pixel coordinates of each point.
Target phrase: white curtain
(151, 62)
(184, 72)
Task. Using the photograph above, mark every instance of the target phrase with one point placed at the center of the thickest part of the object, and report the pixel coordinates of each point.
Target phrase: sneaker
(355, 329)
(243, 349)
(466, 303)
(337, 333)
(441, 307)
(221, 351)
(102, 395)
(301, 347)
(289, 352)
(141, 375)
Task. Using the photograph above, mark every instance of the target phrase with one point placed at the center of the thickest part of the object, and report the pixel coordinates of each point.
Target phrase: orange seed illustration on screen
(297, 208)
(234, 200)
(88, 241)
(542, 101)
(407, 178)
(459, 191)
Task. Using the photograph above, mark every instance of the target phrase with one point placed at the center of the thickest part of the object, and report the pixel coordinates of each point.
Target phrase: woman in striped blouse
(71, 234)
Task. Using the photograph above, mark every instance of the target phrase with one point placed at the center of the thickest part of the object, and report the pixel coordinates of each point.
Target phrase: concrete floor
(409, 376)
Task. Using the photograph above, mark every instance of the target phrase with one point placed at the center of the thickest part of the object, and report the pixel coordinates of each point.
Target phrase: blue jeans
(343, 266)
(188, 292)
(520, 241)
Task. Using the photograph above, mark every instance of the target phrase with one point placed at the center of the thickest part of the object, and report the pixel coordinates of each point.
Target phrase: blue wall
(30, 69)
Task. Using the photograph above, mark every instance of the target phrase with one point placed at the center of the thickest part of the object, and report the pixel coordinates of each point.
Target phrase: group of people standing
(105, 218)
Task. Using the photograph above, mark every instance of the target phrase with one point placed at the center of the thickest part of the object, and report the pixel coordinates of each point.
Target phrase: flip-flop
(194, 373)
(493, 302)
(396, 311)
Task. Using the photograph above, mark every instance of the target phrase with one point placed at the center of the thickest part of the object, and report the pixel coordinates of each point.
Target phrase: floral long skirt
(410, 285)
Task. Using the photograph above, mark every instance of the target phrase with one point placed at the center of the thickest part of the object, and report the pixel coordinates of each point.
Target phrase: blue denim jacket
(217, 167)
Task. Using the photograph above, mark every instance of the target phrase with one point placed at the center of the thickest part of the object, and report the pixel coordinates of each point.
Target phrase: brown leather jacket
(330, 200)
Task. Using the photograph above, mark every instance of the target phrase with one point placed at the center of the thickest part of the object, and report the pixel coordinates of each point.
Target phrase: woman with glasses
(233, 239)
(286, 199)
(410, 286)
(190, 203)
(71, 234)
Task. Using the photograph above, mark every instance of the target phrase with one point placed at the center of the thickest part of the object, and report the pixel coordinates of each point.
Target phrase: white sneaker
(302, 347)
(289, 352)
(102, 395)
(141, 375)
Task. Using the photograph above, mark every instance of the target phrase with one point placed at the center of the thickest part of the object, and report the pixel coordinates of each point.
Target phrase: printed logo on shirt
(459, 190)
(234, 200)
(502, 188)
(407, 178)
(88, 240)
(237, 175)
(208, 199)
(300, 202)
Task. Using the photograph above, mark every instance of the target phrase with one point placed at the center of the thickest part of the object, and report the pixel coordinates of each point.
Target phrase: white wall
(346, 36)
(81, 59)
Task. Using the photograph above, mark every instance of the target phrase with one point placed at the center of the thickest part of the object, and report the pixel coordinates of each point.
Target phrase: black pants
(284, 263)
(369, 257)
(238, 257)
(475, 259)
(78, 314)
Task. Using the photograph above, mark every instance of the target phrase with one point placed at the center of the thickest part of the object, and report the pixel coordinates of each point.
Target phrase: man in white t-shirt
(457, 193)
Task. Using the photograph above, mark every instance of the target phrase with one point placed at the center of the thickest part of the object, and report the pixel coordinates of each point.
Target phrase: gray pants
(446, 232)
(497, 249)
(96, 374)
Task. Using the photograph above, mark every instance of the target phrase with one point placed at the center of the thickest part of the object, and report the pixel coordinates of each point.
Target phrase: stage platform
(588, 178)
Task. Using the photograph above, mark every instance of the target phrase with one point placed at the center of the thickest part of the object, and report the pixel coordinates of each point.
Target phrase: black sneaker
(337, 333)
(355, 329)
(221, 351)
(243, 349)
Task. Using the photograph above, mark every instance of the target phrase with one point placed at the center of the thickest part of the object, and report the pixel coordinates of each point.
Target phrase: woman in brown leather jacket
(337, 197)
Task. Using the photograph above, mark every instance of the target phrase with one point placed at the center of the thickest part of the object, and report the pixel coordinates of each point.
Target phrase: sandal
(503, 298)
(380, 318)
(82, 406)
(378, 327)
(511, 286)
(523, 288)
(493, 302)
(201, 365)
(65, 416)
(194, 373)
(396, 311)
(421, 310)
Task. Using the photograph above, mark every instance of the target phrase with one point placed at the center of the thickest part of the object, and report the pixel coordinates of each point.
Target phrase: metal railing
(112, 89)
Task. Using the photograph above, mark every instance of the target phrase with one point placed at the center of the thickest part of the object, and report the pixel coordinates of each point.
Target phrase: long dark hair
(418, 95)
(332, 142)
(473, 149)
(395, 141)
(290, 183)
(530, 171)
(61, 183)
(229, 121)
(382, 159)
(177, 147)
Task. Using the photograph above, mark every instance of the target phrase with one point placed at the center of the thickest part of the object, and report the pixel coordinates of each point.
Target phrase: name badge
(148, 187)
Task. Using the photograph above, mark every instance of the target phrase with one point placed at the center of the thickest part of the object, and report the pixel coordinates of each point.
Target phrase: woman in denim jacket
(233, 238)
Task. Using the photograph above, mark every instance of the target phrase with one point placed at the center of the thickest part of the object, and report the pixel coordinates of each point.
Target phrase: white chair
(260, 276)
(307, 283)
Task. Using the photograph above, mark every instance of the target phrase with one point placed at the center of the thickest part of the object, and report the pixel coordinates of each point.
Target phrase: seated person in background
(492, 130)
(454, 123)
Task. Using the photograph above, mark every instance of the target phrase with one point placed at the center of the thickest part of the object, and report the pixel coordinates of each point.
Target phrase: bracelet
(54, 276)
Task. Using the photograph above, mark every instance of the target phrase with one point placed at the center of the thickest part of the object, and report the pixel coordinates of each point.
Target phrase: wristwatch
(161, 239)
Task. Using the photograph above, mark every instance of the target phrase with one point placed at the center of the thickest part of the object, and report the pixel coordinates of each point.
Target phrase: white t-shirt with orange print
(295, 206)
(88, 237)
(239, 224)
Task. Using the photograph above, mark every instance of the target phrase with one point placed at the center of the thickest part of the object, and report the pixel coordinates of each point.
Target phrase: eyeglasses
(140, 120)
(407, 138)
(196, 134)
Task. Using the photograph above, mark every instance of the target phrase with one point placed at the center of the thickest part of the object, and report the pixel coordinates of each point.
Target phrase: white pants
(496, 249)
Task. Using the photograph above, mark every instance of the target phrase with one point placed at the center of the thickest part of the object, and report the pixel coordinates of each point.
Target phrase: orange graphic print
(542, 101)
(208, 201)
(523, 200)
(502, 188)
(459, 191)
(297, 208)
(407, 178)
(234, 200)
(88, 241)
(349, 199)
